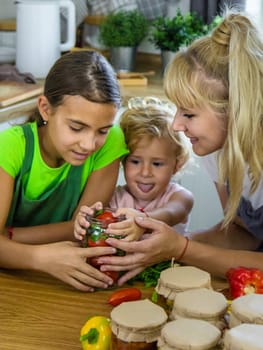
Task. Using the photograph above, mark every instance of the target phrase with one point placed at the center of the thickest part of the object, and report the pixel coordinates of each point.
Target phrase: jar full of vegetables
(96, 235)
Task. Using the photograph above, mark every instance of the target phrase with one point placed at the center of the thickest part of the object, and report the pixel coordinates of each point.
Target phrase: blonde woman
(216, 84)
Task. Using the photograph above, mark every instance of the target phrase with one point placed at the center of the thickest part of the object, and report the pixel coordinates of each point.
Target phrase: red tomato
(100, 242)
(128, 294)
(112, 274)
(94, 262)
(107, 217)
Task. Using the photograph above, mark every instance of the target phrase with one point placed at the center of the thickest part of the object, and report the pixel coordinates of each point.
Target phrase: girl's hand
(128, 228)
(80, 223)
(67, 262)
(162, 244)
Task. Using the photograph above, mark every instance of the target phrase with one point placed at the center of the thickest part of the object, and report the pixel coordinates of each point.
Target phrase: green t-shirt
(42, 177)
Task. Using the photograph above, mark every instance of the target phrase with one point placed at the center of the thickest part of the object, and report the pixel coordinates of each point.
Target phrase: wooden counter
(38, 312)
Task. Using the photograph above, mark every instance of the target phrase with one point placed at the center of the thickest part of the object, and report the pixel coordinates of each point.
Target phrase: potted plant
(169, 34)
(122, 32)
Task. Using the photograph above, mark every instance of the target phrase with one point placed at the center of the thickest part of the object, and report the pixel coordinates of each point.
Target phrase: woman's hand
(81, 223)
(67, 262)
(127, 228)
(162, 244)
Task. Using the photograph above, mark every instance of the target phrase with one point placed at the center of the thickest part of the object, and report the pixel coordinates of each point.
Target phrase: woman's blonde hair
(152, 118)
(225, 71)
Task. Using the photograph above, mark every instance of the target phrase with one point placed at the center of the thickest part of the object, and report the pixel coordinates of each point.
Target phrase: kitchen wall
(8, 9)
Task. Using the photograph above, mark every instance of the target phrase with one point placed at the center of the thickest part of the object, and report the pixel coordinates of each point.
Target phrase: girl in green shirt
(59, 160)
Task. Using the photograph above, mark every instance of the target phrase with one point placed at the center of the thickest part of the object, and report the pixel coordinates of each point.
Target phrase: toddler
(157, 153)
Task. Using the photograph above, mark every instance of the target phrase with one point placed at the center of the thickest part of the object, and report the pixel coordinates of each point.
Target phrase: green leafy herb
(151, 274)
(154, 296)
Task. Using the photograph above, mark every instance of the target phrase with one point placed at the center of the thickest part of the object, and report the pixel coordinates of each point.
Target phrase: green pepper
(96, 334)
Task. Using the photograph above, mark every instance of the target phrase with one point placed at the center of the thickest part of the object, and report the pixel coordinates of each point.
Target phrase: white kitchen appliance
(38, 34)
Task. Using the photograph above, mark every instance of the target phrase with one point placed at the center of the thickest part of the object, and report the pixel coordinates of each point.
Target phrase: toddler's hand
(81, 224)
(127, 228)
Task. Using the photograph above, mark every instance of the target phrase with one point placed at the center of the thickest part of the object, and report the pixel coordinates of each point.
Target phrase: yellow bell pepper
(96, 334)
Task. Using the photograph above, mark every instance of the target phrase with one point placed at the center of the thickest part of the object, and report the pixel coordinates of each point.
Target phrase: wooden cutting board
(136, 80)
(12, 92)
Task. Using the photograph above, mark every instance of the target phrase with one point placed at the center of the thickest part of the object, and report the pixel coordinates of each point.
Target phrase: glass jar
(96, 236)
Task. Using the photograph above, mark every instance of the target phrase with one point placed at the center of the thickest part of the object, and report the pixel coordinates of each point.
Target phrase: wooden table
(38, 312)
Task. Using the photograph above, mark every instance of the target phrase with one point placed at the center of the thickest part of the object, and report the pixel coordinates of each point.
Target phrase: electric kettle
(38, 34)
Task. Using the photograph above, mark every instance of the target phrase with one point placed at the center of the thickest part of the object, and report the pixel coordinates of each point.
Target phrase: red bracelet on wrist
(10, 231)
(180, 257)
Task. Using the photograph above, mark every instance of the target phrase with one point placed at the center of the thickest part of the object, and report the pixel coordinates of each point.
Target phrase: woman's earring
(44, 122)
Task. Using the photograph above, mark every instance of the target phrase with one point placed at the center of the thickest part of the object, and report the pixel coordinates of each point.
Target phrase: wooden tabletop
(38, 312)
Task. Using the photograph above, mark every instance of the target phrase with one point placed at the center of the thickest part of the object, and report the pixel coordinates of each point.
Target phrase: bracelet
(180, 257)
(10, 231)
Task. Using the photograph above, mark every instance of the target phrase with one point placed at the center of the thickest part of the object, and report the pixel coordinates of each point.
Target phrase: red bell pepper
(243, 280)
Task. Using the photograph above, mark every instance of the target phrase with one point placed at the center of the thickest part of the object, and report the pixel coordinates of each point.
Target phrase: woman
(216, 84)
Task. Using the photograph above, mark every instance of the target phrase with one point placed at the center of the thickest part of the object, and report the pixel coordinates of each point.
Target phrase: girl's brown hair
(84, 73)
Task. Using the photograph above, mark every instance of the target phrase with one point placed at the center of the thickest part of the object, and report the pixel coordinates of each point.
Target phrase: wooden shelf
(94, 20)
(8, 24)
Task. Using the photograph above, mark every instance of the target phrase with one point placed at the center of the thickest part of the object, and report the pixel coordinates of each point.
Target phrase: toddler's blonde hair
(152, 118)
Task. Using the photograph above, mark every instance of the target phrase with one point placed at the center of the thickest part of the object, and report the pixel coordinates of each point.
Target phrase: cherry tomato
(98, 242)
(127, 294)
(112, 274)
(94, 262)
(107, 217)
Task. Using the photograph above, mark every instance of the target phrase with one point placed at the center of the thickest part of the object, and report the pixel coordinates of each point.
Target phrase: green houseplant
(169, 34)
(122, 32)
